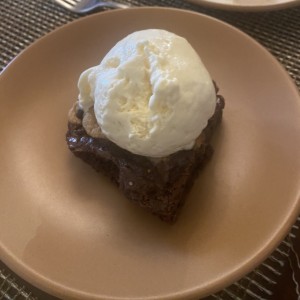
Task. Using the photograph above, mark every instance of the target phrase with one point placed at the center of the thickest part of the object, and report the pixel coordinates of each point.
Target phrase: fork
(83, 6)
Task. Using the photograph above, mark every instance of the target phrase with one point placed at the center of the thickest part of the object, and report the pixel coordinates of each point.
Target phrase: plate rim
(247, 7)
(55, 288)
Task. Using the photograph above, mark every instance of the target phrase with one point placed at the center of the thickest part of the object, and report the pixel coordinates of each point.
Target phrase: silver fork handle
(111, 4)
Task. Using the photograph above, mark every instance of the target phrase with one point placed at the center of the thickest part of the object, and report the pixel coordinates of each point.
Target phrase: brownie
(159, 185)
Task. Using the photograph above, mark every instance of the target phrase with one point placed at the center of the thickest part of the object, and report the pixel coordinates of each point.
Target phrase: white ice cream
(151, 93)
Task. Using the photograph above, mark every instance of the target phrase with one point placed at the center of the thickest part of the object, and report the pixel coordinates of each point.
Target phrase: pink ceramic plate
(248, 5)
(69, 231)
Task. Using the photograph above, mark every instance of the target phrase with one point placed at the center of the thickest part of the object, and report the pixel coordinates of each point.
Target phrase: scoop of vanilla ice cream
(151, 93)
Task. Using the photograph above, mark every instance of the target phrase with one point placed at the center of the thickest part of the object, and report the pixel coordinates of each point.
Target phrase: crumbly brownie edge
(159, 185)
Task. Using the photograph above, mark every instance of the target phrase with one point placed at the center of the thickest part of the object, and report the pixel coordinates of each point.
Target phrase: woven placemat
(23, 22)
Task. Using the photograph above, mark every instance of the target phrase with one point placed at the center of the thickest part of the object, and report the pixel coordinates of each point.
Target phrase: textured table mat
(22, 22)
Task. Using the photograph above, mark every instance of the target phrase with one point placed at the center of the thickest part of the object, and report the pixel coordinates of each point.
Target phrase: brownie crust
(159, 185)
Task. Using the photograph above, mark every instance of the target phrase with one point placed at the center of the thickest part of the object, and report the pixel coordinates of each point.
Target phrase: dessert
(144, 117)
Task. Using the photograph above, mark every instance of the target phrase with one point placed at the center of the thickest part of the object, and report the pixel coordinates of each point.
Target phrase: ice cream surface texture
(151, 93)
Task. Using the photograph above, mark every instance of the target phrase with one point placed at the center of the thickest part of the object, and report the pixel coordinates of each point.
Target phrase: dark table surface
(287, 285)
(22, 22)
